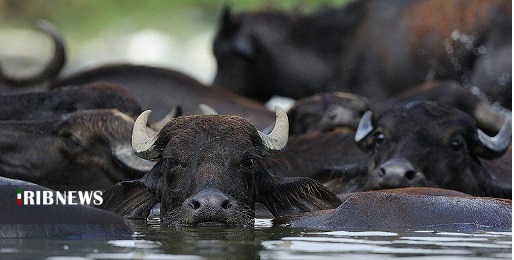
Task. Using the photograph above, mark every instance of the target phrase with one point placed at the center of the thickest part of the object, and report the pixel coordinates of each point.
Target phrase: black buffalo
(161, 90)
(393, 210)
(326, 112)
(54, 103)
(372, 48)
(342, 110)
(10, 83)
(54, 221)
(89, 149)
(427, 144)
(208, 172)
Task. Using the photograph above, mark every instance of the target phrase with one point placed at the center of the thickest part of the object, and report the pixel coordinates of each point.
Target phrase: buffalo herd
(402, 119)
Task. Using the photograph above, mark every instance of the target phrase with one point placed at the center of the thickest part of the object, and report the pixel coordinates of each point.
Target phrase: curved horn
(176, 111)
(499, 143)
(52, 68)
(277, 139)
(207, 110)
(125, 154)
(143, 137)
(365, 126)
(489, 118)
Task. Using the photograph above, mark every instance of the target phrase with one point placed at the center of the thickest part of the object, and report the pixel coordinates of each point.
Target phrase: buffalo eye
(379, 137)
(456, 143)
(248, 162)
(71, 142)
(169, 163)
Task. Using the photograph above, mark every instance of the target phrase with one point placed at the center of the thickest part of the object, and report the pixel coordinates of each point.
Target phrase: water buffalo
(54, 103)
(342, 110)
(372, 48)
(51, 70)
(427, 144)
(162, 89)
(89, 149)
(54, 221)
(326, 111)
(208, 172)
(385, 210)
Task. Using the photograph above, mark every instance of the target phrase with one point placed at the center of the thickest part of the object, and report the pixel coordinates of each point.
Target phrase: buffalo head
(246, 49)
(90, 149)
(326, 112)
(427, 144)
(208, 171)
(57, 102)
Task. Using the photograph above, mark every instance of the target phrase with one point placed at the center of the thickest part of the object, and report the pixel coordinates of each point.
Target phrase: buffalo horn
(501, 141)
(125, 154)
(488, 118)
(144, 137)
(207, 110)
(277, 139)
(365, 126)
(52, 68)
(176, 111)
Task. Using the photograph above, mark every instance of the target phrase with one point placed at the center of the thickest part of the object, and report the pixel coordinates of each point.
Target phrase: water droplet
(456, 64)
(482, 49)
(448, 49)
(475, 90)
(455, 35)
(503, 79)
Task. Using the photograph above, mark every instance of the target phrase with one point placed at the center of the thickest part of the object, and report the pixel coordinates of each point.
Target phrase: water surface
(152, 241)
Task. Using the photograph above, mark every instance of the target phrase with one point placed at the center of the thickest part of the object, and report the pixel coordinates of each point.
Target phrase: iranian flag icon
(19, 196)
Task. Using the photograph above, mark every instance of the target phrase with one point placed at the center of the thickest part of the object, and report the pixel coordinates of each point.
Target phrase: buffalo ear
(226, 13)
(292, 195)
(131, 199)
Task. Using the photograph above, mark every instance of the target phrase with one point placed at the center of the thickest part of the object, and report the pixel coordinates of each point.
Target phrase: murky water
(265, 242)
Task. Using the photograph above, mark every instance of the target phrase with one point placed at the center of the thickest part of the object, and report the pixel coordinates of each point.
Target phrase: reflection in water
(154, 241)
(214, 241)
(404, 243)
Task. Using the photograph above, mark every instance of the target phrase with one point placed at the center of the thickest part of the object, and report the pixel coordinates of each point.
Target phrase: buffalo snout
(209, 207)
(397, 173)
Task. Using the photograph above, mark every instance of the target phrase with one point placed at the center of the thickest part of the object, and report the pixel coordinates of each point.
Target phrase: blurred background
(174, 34)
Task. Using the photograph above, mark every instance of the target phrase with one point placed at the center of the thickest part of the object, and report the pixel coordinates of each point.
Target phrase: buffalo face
(258, 58)
(88, 149)
(326, 112)
(209, 173)
(426, 144)
(240, 47)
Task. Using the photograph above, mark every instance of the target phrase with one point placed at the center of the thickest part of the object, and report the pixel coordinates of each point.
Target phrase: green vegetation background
(83, 18)
(109, 31)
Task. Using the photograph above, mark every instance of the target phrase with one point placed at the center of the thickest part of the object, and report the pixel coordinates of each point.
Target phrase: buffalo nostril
(194, 204)
(226, 204)
(209, 200)
(409, 175)
(398, 169)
